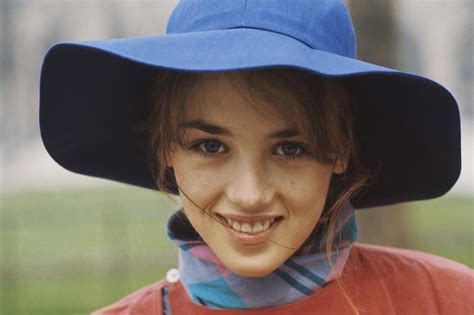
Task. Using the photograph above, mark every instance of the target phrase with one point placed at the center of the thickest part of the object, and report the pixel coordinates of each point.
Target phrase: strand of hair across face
(218, 221)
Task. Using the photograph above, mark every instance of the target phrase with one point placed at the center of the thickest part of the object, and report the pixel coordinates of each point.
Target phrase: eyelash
(196, 147)
(303, 151)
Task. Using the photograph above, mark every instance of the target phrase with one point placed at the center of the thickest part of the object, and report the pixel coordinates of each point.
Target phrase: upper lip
(249, 219)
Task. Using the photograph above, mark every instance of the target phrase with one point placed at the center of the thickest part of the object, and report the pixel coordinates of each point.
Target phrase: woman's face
(253, 167)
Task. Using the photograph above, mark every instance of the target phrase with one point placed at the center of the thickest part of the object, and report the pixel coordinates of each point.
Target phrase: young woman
(258, 116)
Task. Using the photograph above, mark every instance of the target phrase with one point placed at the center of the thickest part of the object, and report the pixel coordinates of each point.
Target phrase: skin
(248, 173)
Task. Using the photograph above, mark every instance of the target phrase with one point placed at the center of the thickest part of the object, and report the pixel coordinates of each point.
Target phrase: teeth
(266, 225)
(246, 228)
(257, 227)
(236, 226)
(249, 228)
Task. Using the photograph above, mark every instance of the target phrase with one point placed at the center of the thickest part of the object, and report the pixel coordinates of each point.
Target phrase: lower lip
(251, 239)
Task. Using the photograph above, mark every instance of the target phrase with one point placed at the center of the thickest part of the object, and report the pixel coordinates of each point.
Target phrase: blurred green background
(70, 252)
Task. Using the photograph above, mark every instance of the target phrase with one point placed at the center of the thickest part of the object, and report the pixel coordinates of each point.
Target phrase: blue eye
(211, 146)
(289, 149)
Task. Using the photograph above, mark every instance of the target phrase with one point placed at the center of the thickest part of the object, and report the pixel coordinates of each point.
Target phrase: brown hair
(329, 121)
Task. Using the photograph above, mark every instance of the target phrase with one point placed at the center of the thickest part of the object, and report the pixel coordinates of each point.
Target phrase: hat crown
(323, 24)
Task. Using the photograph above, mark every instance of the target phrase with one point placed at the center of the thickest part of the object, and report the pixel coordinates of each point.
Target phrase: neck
(210, 283)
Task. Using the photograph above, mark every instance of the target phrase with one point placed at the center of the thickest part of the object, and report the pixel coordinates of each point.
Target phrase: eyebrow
(218, 130)
(285, 133)
(207, 127)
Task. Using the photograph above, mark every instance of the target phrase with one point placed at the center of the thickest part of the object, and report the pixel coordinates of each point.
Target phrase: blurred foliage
(75, 251)
(70, 252)
(442, 226)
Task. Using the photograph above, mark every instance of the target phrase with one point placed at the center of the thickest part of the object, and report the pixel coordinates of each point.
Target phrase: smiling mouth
(251, 228)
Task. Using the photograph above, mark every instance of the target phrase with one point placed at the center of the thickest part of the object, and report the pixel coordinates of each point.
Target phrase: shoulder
(412, 279)
(147, 300)
(390, 258)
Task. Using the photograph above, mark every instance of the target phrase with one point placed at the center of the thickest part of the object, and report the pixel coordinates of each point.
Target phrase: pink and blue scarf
(208, 282)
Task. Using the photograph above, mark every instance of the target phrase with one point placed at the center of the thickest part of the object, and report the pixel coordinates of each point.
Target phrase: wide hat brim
(92, 93)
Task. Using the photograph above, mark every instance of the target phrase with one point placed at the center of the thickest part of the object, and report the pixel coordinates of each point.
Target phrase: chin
(252, 269)
(249, 272)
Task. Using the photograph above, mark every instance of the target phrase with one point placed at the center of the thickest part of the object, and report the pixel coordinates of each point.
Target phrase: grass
(75, 251)
(70, 252)
(444, 227)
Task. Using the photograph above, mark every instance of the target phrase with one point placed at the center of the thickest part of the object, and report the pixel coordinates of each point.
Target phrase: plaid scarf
(208, 282)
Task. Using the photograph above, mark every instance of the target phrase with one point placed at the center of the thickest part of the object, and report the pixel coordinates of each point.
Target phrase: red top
(380, 280)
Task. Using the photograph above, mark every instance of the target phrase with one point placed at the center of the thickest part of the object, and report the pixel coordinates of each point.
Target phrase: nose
(249, 187)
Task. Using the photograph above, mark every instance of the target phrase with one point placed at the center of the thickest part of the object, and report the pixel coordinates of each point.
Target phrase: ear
(340, 166)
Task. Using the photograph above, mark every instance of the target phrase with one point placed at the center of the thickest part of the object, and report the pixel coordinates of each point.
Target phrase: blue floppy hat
(91, 92)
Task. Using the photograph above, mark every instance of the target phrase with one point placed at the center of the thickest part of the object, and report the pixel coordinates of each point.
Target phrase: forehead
(225, 98)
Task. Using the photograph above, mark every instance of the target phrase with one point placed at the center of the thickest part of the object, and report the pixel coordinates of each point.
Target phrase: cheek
(197, 183)
(187, 172)
(305, 201)
(308, 186)
(305, 197)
